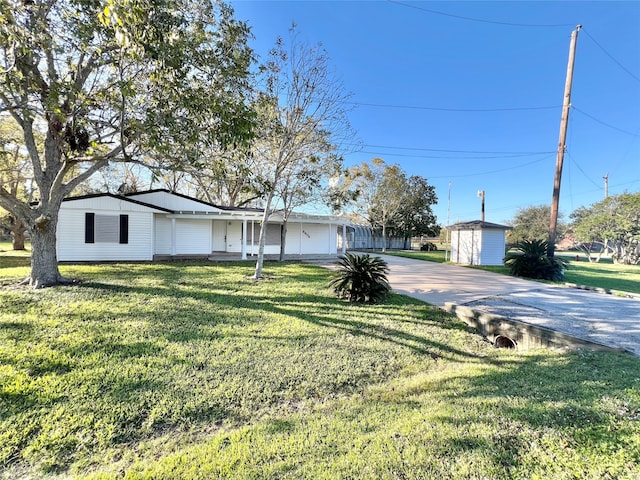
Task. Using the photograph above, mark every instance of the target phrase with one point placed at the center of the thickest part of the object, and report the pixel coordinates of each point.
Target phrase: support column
(344, 238)
(173, 237)
(253, 237)
(300, 239)
(244, 239)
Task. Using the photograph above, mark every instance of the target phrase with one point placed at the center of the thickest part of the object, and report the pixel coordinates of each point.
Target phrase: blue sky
(475, 102)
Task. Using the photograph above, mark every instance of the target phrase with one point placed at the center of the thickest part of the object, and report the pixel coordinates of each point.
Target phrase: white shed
(478, 243)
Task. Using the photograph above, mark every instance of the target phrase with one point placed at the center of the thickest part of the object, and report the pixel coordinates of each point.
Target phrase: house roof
(118, 197)
(186, 197)
(478, 225)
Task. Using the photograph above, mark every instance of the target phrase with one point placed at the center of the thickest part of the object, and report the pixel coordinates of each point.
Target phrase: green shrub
(428, 247)
(361, 278)
(529, 259)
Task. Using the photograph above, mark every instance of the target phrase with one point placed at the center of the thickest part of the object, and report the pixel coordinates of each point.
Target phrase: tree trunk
(18, 230)
(44, 260)
(384, 238)
(283, 239)
(263, 236)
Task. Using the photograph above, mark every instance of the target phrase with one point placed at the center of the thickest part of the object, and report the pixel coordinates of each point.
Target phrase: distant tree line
(611, 225)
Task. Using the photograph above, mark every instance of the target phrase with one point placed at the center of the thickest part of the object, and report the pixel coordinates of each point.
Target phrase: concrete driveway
(597, 317)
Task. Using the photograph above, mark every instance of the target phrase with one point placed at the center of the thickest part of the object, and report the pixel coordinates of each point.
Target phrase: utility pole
(606, 185)
(481, 196)
(564, 122)
(446, 248)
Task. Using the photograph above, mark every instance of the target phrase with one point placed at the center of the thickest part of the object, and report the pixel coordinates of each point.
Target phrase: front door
(234, 236)
(219, 235)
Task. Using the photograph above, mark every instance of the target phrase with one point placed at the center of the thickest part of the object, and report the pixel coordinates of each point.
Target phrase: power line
(455, 151)
(494, 22)
(493, 171)
(442, 157)
(574, 161)
(445, 109)
(604, 123)
(612, 57)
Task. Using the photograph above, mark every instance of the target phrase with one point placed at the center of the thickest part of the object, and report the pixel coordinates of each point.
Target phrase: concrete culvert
(502, 341)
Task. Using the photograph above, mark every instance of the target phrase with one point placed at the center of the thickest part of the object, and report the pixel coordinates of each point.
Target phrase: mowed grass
(193, 370)
(604, 274)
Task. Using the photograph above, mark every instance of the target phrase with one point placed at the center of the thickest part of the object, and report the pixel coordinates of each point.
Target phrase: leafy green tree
(115, 81)
(381, 189)
(532, 223)
(615, 222)
(415, 216)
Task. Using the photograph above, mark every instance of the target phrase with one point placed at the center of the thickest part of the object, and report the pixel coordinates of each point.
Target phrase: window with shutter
(106, 228)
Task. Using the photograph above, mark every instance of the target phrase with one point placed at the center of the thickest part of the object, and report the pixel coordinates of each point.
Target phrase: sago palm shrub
(361, 278)
(529, 259)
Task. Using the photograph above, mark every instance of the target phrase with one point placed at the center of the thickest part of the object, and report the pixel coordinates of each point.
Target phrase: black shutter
(89, 227)
(124, 228)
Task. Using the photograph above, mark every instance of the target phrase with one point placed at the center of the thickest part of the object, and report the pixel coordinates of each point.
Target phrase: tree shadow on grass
(8, 260)
(577, 408)
(182, 325)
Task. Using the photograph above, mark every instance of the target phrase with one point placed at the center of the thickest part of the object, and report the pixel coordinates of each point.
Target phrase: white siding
(293, 243)
(477, 247)
(318, 238)
(162, 235)
(465, 246)
(493, 245)
(71, 245)
(193, 237)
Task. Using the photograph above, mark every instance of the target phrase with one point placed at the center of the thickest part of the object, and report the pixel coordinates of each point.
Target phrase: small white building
(478, 243)
(160, 224)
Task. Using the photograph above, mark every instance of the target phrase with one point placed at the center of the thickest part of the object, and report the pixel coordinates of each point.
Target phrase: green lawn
(604, 274)
(193, 370)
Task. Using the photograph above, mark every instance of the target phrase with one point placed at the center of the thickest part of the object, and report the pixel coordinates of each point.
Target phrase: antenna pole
(564, 121)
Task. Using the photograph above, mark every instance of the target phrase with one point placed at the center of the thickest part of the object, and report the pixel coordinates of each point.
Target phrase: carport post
(244, 239)
(344, 238)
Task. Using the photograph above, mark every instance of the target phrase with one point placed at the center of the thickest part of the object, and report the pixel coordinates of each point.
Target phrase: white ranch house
(159, 224)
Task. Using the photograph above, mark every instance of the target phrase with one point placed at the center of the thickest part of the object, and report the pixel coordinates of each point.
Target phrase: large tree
(228, 178)
(532, 223)
(381, 190)
(108, 81)
(415, 216)
(15, 172)
(614, 222)
(303, 123)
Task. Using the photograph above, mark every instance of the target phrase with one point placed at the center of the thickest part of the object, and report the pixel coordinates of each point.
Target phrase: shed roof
(478, 225)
